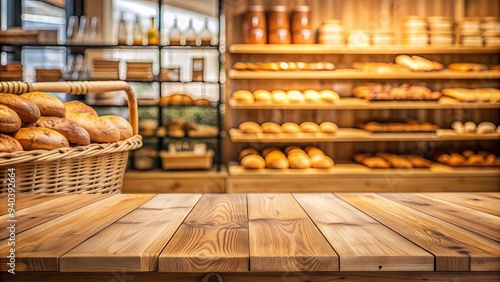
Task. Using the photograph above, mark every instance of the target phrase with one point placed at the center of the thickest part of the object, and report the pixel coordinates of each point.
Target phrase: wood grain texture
(214, 237)
(45, 211)
(461, 216)
(454, 248)
(24, 201)
(478, 201)
(361, 242)
(283, 238)
(134, 242)
(44, 244)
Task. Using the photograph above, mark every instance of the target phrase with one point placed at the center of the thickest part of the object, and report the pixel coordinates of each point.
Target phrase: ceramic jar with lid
(301, 25)
(254, 25)
(277, 18)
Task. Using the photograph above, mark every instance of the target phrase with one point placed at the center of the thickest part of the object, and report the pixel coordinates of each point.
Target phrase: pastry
(9, 120)
(244, 96)
(38, 138)
(250, 127)
(290, 127)
(9, 144)
(253, 162)
(485, 127)
(475, 160)
(26, 109)
(46, 103)
(74, 133)
(271, 127)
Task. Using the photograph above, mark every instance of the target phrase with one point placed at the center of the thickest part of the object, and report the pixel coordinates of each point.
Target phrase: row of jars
(277, 27)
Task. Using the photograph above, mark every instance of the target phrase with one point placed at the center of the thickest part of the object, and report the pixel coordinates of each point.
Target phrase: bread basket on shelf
(91, 169)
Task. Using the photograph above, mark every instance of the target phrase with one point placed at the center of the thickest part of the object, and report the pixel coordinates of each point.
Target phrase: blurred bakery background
(281, 96)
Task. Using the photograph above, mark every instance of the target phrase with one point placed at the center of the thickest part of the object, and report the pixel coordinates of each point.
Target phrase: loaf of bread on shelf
(310, 127)
(271, 127)
(247, 152)
(313, 150)
(47, 104)
(466, 67)
(122, 124)
(253, 162)
(279, 96)
(461, 94)
(73, 132)
(329, 96)
(240, 66)
(39, 138)
(417, 63)
(100, 130)
(311, 96)
(244, 96)
(250, 127)
(269, 149)
(299, 161)
(80, 108)
(289, 148)
(202, 102)
(321, 161)
(8, 144)
(328, 127)
(276, 160)
(26, 109)
(290, 127)
(375, 162)
(295, 96)
(9, 120)
(295, 151)
(262, 96)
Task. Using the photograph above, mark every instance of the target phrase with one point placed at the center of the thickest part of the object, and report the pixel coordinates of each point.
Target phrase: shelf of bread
(355, 135)
(356, 74)
(360, 171)
(328, 49)
(361, 104)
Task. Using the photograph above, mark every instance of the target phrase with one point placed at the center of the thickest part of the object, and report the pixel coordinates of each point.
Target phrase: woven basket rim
(96, 149)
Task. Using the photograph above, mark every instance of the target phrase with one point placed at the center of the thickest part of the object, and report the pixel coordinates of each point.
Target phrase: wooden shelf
(327, 49)
(355, 74)
(360, 104)
(354, 135)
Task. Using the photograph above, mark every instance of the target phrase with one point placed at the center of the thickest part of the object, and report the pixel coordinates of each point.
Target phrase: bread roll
(253, 162)
(79, 107)
(250, 127)
(290, 148)
(279, 96)
(46, 103)
(26, 109)
(329, 96)
(295, 151)
(240, 66)
(244, 96)
(247, 152)
(295, 96)
(122, 124)
(315, 151)
(202, 102)
(271, 127)
(276, 159)
(328, 127)
(321, 161)
(9, 120)
(100, 130)
(262, 96)
(9, 144)
(268, 150)
(310, 127)
(465, 67)
(290, 127)
(38, 138)
(299, 161)
(74, 133)
(311, 96)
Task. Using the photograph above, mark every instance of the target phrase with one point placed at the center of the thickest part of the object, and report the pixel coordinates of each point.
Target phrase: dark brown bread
(38, 138)
(26, 109)
(9, 144)
(9, 120)
(74, 133)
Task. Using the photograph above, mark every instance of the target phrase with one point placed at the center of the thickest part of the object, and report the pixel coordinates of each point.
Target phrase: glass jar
(279, 36)
(301, 18)
(277, 18)
(304, 36)
(254, 25)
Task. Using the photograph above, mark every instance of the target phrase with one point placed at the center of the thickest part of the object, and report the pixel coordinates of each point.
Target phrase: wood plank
(214, 238)
(283, 238)
(476, 201)
(49, 241)
(134, 242)
(362, 243)
(454, 248)
(482, 223)
(26, 200)
(35, 215)
(348, 276)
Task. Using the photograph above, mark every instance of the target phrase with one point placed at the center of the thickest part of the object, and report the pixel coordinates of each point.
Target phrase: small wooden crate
(186, 160)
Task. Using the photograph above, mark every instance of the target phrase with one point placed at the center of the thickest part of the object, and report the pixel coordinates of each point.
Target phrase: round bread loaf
(329, 96)
(328, 127)
(244, 96)
(39, 138)
(295, 96)
(26, 109)
(310, 127)
(299, 161)
(262, 96)
(247, 152)
(311, 95)
(122, 124)
(321, 161)
(48, 105)
(290, 148)
(9, 144)
(9, 120)
(79, 107)
(276, 159)
(296, 151)
(271, 127)
(290, 127)
(279, 96)
(253, 162)
(100, 130)
(202, 102)
(250, 127)
(73, 132)
(268, 150)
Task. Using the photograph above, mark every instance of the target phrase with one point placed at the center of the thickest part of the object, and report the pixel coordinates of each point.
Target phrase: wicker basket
(92, 169)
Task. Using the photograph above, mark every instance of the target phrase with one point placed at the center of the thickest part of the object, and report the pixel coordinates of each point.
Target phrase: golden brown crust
(250, 127)
(321, 161)
(299, 161)
(290, 127)
(8, 144)
(122, 124)
(465, 67)
(253, 162)
(310, 127)
(276, 159)
(100, 130)
(9, 120)
(74, 133)
(328, 127)
(79, 107)
(271, 127)
(38, 138)
(26, 109)
(48, 105)
(244, 96)
(247, 152)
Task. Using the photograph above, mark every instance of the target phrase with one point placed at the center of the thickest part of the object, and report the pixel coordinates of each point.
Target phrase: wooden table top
(255, 232)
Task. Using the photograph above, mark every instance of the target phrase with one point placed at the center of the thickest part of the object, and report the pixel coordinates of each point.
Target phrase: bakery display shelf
(361, 104)
(354, 135)
(190, 82)
(361, 171)
(189, 137)
(356, 74)
(212, 105)
(108, 46)
(328, 49)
